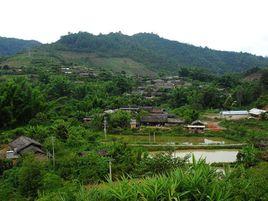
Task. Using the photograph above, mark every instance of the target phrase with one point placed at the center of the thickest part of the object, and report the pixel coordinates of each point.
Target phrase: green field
(163, 139)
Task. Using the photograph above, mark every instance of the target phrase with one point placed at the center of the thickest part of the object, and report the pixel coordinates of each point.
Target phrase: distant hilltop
(11, 46)
(139, 54)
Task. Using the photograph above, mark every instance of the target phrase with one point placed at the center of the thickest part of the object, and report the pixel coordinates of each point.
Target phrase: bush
(30, 177)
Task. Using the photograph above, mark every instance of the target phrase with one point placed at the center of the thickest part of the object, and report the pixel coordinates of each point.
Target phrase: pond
(211, 156)
(169, 140)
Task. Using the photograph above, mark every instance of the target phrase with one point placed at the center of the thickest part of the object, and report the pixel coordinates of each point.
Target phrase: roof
(129, 108)
(195, 126)
(235, 112)
(109, 111)
(152, 109)
(161, 118)
(256, 111)
(32, 148)
(133, 121)
(198, 122)
(23, 142)
(174, 120)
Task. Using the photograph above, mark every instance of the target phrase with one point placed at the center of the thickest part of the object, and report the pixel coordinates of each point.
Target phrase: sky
(233, 25)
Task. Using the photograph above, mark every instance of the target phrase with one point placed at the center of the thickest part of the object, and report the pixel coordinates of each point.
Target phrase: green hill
(141, 54)
(158, 53)
(11, 46)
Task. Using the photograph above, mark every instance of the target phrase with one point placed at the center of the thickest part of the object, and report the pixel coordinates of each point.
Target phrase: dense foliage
(11, 46)
(159, 53)
(51, 107)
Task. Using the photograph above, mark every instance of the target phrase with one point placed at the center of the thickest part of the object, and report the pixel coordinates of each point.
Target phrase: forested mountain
(158, 53)
(11, 46)
(142, 54)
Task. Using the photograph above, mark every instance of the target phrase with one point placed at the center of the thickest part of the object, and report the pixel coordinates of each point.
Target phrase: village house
(154, 120)
(158, 117)
(256, 112)
(130, 108)
(235, 114)
(23, 145)
(172, 121)
(196, 127)
(66, 70)
(87, 120)
(133, 123)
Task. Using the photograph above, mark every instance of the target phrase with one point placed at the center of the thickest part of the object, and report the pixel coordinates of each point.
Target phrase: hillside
(142, 54)
(158, 53)
(11, 46)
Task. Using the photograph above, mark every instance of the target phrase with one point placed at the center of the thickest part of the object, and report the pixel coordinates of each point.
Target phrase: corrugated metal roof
(235, 112)
(256, 111)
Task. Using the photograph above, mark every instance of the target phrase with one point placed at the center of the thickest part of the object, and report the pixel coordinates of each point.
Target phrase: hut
(172, 121)
(154, 120)
(87, 120)
(256, 112)
(234, 114)
(133, 123)
(23, 145)
(196, 127)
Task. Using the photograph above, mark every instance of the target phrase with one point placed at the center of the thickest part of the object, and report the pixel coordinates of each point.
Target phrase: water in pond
(211, 156)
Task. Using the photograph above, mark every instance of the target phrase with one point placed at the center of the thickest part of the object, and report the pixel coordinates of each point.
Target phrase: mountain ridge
(157, 52)
(11, 46)
(144, 52)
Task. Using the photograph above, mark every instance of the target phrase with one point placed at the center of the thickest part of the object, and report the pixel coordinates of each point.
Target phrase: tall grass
(198, 182)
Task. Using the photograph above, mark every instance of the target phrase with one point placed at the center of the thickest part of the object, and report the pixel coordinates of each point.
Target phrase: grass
(168, 148)
(167, 139)
(43, 57)
(114, 64)
(245, 130)
(196, 182)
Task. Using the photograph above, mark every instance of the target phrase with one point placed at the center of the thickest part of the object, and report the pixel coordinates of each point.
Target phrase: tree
(19, 102)
(30, 177)
(248, 156)
(187, 113)
(264, 79)
(119, 119)
(60, 128)
(51, 182)
(119, 85)
(179, 97)
(211, 97)
(59, 87)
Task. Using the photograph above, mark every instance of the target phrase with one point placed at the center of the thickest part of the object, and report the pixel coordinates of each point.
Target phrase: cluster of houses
(242, 114)
(83, 72)
(157, 117)
(156, 87)
(6, 69)
(153, 117)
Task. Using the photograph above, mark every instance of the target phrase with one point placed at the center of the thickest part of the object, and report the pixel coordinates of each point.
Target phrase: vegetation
(156, 52)
(196, 182)
(11, 46)
(142, 54)
(63, 104)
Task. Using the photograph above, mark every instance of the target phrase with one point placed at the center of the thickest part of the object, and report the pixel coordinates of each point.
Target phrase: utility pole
(154, 137)
(110, 169)
(53, 151)
(149, 138)
(105, 123)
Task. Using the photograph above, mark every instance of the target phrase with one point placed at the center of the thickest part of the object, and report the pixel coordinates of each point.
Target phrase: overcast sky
(238, 25)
